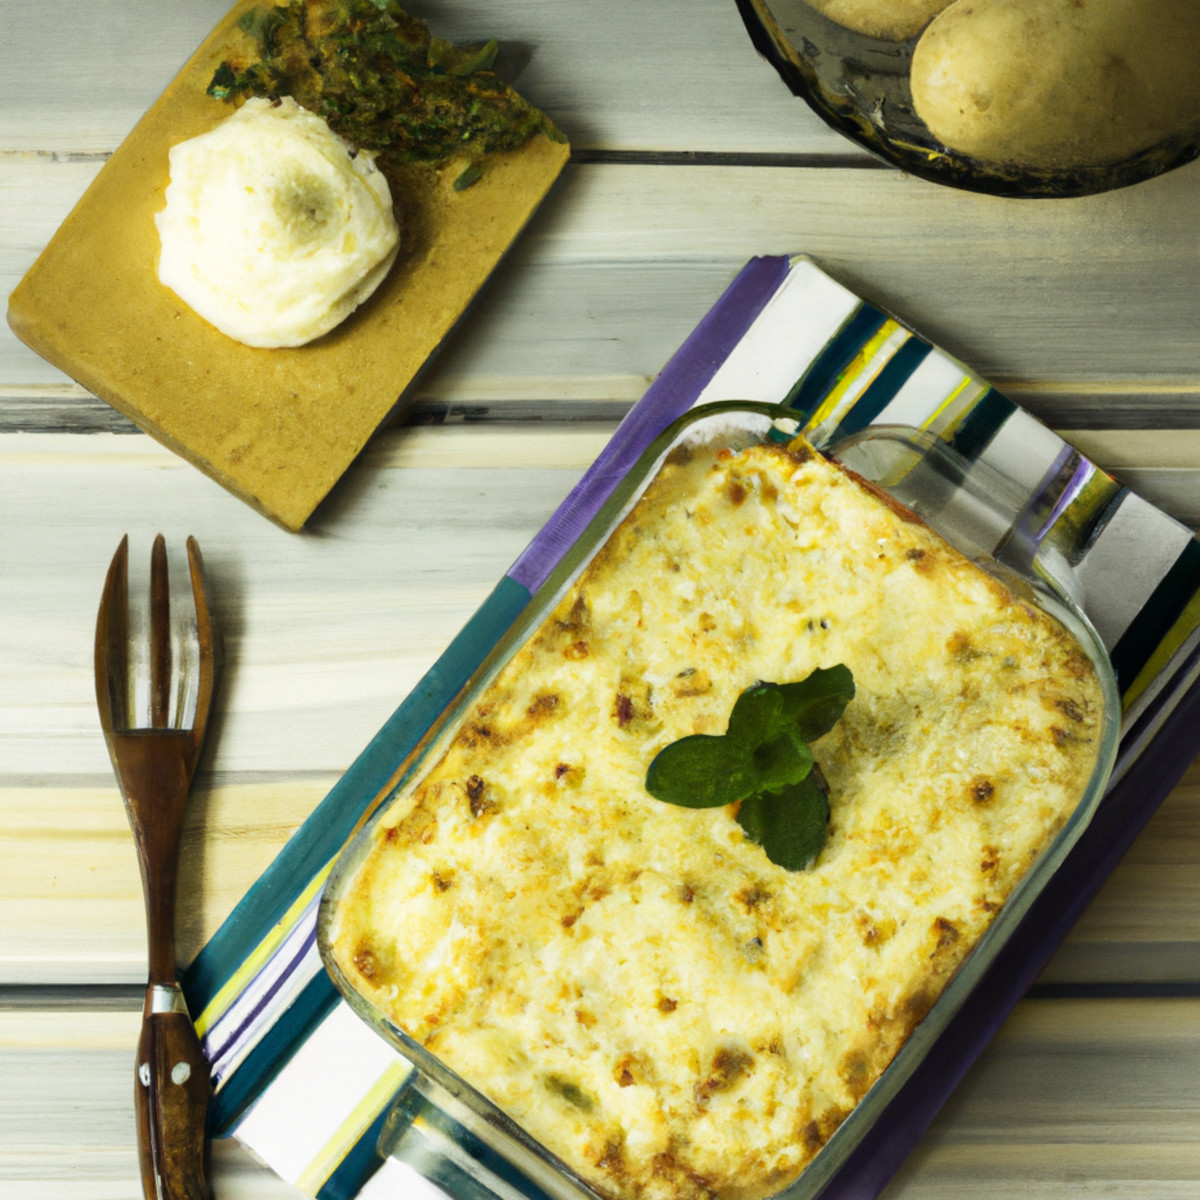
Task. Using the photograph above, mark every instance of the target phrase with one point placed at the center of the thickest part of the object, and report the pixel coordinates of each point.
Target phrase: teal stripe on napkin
(271, 1054)
(830, 365)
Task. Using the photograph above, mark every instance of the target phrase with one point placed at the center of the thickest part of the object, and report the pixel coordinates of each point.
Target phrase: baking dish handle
(434, 1145)
(1037, 531)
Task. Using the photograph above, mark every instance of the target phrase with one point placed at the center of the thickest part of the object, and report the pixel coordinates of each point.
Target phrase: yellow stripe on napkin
(260, 955)
(860, 372)
(350, 1131)
(1166, 649)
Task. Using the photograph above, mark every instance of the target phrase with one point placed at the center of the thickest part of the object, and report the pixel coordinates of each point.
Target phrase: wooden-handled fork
(154, 754)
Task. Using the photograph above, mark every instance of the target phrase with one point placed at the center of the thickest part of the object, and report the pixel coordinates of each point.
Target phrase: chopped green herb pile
(765, 761)
(382, 81)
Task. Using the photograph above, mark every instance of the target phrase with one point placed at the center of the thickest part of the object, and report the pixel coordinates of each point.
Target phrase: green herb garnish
(764, 760)
(382, 81)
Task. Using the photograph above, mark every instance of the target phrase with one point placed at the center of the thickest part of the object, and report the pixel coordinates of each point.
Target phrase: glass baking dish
(446, 1129)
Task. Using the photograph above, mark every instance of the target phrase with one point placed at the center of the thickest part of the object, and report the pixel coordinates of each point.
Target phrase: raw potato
(1059, 83)
(891, 20)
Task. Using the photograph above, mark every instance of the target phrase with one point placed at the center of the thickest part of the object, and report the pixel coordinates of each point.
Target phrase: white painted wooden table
(689, 158)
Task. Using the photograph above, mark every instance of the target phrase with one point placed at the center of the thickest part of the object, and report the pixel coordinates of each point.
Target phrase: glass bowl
(860, 86)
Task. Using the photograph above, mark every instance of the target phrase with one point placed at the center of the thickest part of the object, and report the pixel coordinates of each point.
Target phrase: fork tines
(164, 680)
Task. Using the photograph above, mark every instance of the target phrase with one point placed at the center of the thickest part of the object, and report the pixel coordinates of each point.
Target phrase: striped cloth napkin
(308, 1088)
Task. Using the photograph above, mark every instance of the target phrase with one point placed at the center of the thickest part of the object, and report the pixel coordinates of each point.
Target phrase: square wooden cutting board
(276, 427)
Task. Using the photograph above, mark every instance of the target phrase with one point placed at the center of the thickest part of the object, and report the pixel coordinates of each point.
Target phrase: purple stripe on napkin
(676, 389)
(226, 1040)
(1081, 476)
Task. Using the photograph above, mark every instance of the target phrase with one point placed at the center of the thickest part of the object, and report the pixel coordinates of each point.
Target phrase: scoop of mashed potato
(275, 229)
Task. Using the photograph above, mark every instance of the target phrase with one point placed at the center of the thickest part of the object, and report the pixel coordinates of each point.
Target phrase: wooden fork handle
(171, 1095)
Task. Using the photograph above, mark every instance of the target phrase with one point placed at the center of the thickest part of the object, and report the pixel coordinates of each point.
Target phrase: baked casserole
(637, 984)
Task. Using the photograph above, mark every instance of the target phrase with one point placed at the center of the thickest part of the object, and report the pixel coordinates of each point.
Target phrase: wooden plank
(1145, 922)
(325, 634)
(1074, 1098)
(995, 282)
(622, 261)
(71, 901)
(1134, 413)
(1143, 450)
(678, 75)
(66, 1113)
(70, 894)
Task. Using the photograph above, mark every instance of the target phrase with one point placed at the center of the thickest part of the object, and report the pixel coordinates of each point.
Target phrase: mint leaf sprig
(764, 760)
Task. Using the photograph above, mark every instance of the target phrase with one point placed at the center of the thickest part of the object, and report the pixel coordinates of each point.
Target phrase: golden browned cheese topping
(637, 984)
